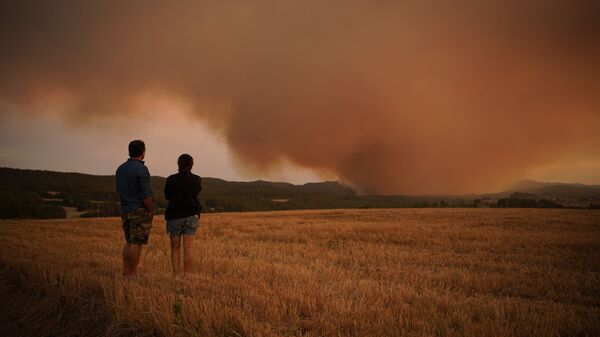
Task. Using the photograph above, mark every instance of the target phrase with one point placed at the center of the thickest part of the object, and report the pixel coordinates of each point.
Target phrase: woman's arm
(169, 189)
(198, 188)
(196, 185)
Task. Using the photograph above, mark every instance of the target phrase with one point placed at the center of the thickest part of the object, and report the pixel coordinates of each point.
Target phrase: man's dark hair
(185, 163)
(136, 148)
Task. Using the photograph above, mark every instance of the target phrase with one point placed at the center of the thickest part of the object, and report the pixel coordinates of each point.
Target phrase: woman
(183, 212)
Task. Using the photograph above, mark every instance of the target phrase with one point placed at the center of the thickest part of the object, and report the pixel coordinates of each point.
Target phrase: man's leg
(188, 253)
(132, 254)
(125, 264)
(175, 255)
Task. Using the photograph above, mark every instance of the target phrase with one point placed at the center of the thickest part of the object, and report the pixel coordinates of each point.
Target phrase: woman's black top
(182, 192)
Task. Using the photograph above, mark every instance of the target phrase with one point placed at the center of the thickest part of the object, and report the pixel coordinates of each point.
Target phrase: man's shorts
(183, 226)
(136, 226)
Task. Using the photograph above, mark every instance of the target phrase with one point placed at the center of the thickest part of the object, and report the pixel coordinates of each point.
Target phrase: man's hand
(149, 206)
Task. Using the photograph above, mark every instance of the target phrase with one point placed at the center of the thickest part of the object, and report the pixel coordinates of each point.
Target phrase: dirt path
(26, 310)
(71, 212)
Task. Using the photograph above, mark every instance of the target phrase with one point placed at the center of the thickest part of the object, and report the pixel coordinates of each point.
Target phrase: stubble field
(406, 272)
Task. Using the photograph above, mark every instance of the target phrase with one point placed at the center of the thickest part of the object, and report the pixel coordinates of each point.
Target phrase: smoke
(391, 96)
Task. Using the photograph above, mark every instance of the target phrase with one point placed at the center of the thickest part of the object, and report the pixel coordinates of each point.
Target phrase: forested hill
(47, 194)
(35, 193)
(103, 187)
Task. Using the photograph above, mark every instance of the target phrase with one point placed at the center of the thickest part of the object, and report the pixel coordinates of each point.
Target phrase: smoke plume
(391, 96)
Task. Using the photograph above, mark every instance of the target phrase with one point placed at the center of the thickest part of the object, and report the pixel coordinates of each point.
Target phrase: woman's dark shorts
(183, 226)
(136, 226)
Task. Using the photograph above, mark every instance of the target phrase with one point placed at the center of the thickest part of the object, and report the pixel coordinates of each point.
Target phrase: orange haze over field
(389, 96)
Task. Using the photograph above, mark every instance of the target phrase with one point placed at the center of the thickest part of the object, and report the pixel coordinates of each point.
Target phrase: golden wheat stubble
(406, 272)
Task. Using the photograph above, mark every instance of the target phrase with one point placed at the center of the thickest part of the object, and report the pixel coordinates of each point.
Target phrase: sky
(48, 142)
(389, 97)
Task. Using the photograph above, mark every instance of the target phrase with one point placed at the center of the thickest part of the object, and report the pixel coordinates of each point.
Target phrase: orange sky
(389, 96)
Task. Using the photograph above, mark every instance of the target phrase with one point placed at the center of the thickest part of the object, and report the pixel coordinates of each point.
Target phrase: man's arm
(146, 190)
(148, 204)
(117, 180)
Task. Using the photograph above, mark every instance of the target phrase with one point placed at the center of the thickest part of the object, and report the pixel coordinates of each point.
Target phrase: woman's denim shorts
(183, 226)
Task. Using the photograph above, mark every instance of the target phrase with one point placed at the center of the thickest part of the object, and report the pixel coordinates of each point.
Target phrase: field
(403, 272)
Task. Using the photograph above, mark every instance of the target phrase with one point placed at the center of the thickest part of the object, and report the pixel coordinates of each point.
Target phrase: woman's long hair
(185, 163)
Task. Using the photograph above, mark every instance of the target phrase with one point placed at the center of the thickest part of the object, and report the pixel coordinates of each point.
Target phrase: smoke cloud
(391, 96)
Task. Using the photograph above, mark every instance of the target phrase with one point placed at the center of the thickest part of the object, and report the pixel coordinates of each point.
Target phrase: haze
(406, 97)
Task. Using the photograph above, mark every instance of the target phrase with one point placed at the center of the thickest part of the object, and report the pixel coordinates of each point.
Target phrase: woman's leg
(188, 253)
(175, 260)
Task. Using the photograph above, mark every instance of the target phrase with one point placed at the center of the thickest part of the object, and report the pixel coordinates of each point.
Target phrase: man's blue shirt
(133, 184)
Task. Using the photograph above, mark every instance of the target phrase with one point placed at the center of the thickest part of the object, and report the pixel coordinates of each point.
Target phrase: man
(133, 186)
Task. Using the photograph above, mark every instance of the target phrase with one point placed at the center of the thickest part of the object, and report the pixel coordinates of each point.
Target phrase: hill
(48, 194)
(568, 193)
(37, 193)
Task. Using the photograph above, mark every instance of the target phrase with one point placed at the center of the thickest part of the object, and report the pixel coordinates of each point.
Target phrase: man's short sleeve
(145, 187)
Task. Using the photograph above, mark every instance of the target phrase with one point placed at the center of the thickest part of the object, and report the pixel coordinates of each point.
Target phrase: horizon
(165, 176)
(512, 187)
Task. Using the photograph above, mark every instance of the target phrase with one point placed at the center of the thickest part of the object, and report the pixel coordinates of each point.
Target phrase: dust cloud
(391, 96)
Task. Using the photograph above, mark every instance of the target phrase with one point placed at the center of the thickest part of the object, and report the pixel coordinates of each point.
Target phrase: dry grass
(415, 272)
